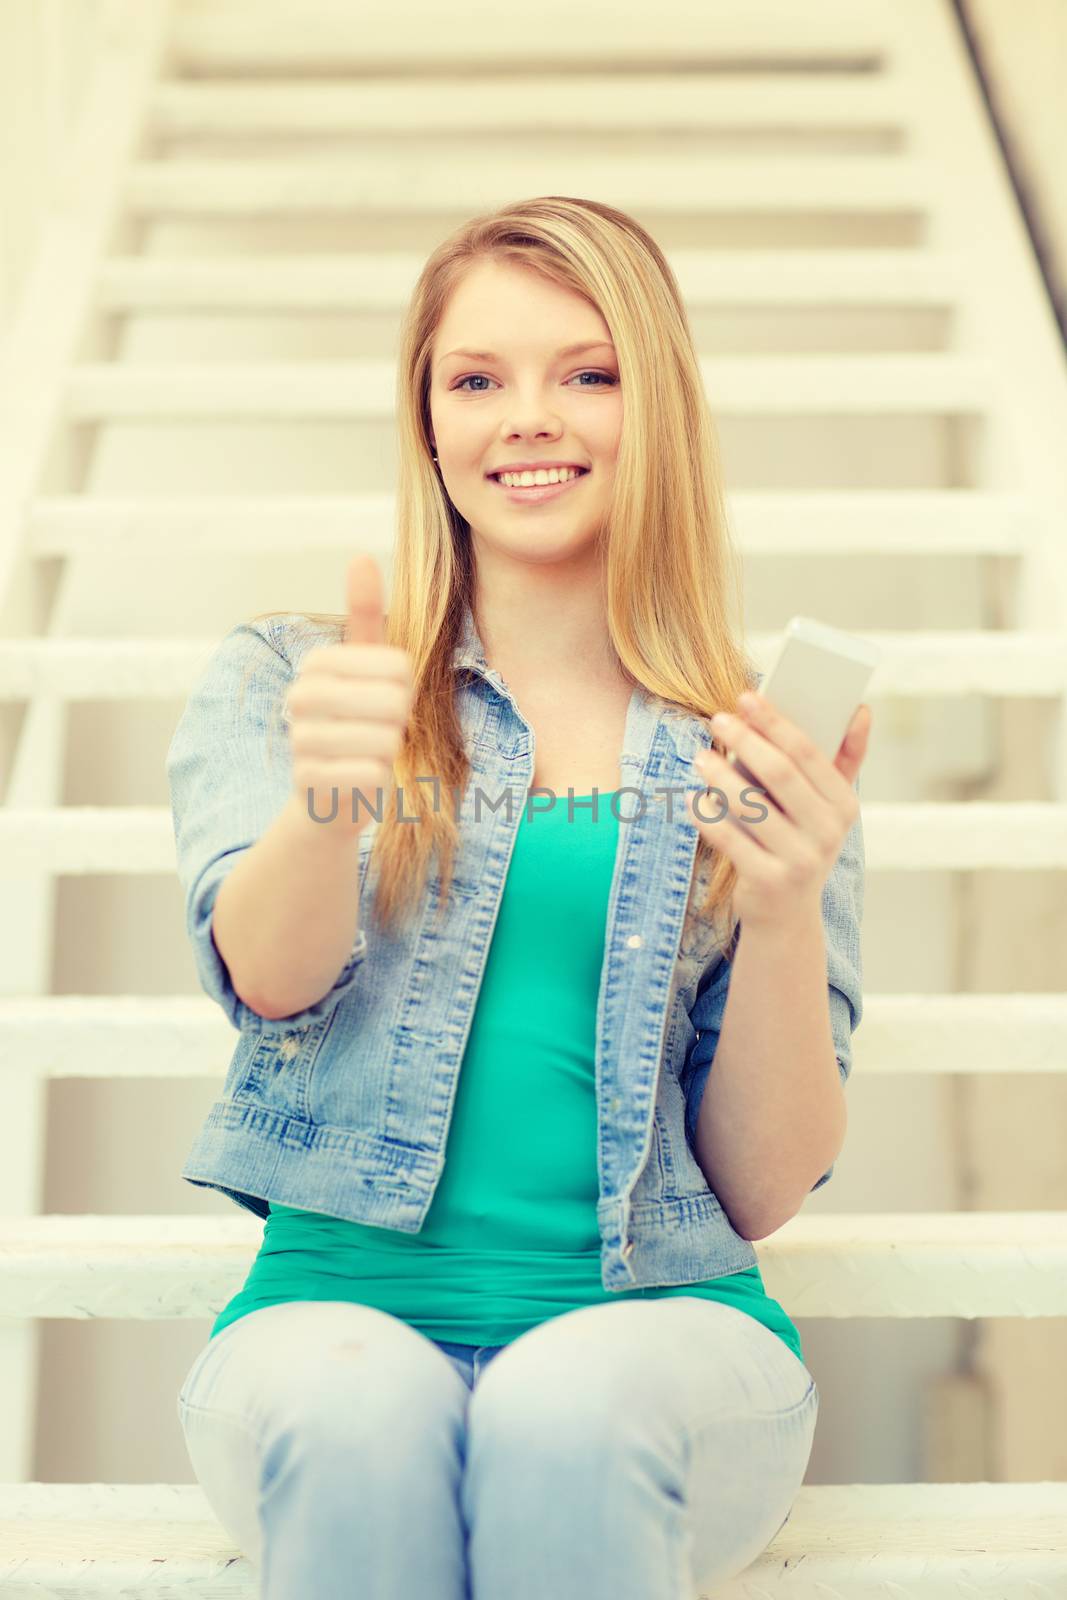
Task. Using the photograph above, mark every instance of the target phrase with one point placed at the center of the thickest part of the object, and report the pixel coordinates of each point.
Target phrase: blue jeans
(644, 1450)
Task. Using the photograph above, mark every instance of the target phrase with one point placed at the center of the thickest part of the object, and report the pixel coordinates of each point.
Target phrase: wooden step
(188, 1036)
(909, 279)
(1011, 836)
(920, 665)
(800, 385)
(401, 183)
(965, 522)
(632, 102)
(851, 1541)
(423, 38)
(855, 1264)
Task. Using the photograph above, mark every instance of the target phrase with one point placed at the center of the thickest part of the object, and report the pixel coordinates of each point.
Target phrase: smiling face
(525, 398)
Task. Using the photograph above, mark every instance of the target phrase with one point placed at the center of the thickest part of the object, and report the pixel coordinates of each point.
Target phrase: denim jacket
(344, 1107)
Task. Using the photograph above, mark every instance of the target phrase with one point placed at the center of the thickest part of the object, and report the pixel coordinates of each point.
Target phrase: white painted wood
(882, 521)
(400, 184)
(346, 282)
(738, 386)
(599, 34)
(914, 665)
(81, 219)
(48, 55)
(59, 295)
(1023, 53)
(655, 102)
(1003, 311)
(1003, 305)
(188, 1036)
(892, 1264)
(898, 836)
(932, 522)
(869, 1541)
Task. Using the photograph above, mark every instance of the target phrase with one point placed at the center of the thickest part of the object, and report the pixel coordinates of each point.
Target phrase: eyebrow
(569, 350)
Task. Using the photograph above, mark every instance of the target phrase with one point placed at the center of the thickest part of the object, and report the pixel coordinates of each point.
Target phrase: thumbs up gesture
(348, 709)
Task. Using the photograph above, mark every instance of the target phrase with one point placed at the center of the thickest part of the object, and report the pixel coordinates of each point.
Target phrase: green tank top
(510, 1238)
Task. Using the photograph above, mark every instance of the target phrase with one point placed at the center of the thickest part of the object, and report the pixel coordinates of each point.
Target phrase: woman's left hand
(784, 858)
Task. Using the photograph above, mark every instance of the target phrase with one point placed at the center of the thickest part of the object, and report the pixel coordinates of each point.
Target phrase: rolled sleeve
(842, 913)
(842, 909)
(229, 770)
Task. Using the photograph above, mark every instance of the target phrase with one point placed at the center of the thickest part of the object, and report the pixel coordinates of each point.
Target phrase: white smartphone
(817, 677)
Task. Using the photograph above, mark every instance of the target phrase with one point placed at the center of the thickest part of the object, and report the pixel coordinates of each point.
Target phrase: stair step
(1002, 664)
(866, 1541)
(188, 1036)
(855, 1264)
(587, 104)
(344, 282)
(1011, 836)
(842, 522)
(398, 182)
(800, 385)
(420, 38)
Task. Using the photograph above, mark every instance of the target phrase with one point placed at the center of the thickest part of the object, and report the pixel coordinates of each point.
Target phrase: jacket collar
(687, 731)
(469, 652)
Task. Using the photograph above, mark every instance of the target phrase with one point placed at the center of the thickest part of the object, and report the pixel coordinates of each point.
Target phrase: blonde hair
(672, 574)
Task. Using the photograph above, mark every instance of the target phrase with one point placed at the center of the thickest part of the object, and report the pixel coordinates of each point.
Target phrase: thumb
(364, 602)
(853, 746)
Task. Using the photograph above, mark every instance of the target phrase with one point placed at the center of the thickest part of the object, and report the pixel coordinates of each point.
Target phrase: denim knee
(397, 1406)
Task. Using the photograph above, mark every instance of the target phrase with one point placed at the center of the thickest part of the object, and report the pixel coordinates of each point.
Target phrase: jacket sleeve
(229, 769)
(842, 912)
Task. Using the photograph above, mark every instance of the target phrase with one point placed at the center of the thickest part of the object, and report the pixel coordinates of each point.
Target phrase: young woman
(506, 1334)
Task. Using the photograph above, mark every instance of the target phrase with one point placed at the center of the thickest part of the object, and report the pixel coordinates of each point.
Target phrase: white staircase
(853, 192)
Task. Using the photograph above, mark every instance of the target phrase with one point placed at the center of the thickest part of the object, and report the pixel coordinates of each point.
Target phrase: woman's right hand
(348, 709)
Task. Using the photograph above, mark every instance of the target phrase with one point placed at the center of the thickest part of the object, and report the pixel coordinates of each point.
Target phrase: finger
(767, 765)
(735, 840)
(364, 602)
(853, 750)
(732, 806)
(760, 723)
(349, 698)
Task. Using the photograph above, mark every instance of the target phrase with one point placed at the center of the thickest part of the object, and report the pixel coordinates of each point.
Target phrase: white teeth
(527, 480)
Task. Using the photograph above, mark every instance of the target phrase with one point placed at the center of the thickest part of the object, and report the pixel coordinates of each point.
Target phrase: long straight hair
(673, 579)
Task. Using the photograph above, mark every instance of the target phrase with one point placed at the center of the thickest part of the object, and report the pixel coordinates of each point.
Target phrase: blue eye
(604, 377)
